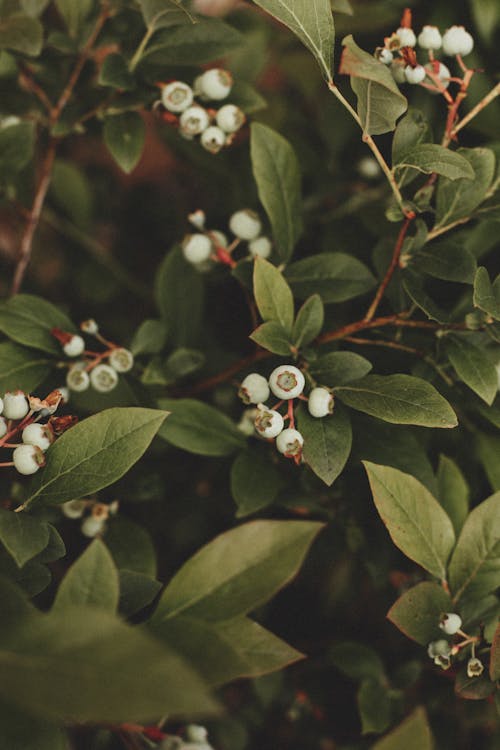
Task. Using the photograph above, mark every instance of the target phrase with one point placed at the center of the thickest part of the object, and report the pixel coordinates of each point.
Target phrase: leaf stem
(140, 48)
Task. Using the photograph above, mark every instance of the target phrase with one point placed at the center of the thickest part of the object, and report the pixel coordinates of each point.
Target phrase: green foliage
(124, 135)
(199, 428)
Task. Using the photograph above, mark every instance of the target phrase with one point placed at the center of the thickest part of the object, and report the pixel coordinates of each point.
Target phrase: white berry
(230, 118)
(15, 405)
(430, 38)
(290, 442)
(213, 139)
(40, 435)
(197, 219)
(287, 382)
(77, 378)
(89, 326)
(197, 248)
(254, 389)
(64, 393)
(416, 74)
(74, 508)
(246, 425)
(3, 427)
(439, 648)
(457, 41)
(92, 526)
(1, 405)
(320, 402)
(74, 347)
(406, 37)
(177, 96)
(269, 423)
(121, 359)
(384, 55)
(450, 623)
(442, 72)
(193, 121)
(368, 168)
(215, 83)
(196, 733)
(397, 69)
(219, 238)
(103, 378)
(260, 247)
(28, 459)
(245, 224)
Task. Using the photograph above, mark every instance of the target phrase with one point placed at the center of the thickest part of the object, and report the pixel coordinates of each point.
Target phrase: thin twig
(385, 343)
(390, 271)
(26, 79)
(495, 91)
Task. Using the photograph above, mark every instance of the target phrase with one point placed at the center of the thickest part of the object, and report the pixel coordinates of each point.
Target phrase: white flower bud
(77, 378)
(430, 38)
(397, 69)
(320, 402)
(177, 96)
(475, 667)
(121, 359)
(37, 434)
(269, 423)
(416, 74)
(193, 121)
(260, 247)
(103, 378)
(219, 238)
(89, 326)
(197, 248)
(74, 347)
(406, 37)
(197, 219)
(64, 393)
(215, 84)
(3, 427)
(368, 168)
(457, 41)
(213, 139)
(384, 55)
(290, 442)
(450, 623)
(245, 224)
(28, 459)
(440, 652)
(15, 405)
(196, 733)
(254, 389)
(230, 118)
(74, 508)
(92, 526)
(287, 382)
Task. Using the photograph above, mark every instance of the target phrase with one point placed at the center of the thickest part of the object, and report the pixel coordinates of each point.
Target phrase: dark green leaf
(336, 277)
(339, 368)
(488, 450)
(309, 321)
(413, 734)
(131, 546)
(136, 591)
(28, 320)
(199, 428)
(16, 148)
(414, 286)
(160, 13)
(21, 33)
(74, 14)
(445, 260)
(374, 706)
(454, 200)
(495, 656)
(255, 481)
(327, 442)
(418, 611)
(453, 492)
(21, 369)
(273, 337)
(22, 535)
(91, 581)
(124, 135)
(473, 688)
(19, 731)
(149, 338)
(114, 72)
(412, 130)
(486, 294)
(191, 45)
(429, 158)
(72, 192)
(357, 660)
(473, 366)
(272, 294)
(179, 296)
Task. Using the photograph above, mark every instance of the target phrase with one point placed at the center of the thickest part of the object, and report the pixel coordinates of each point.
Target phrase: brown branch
(387, 344)
(227, 374)
(28, 82)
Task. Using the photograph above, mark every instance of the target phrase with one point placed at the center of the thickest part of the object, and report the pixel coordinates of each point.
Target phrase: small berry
(197, 219)
(416, 74)
(77, 378)
(193, 121)
(475, 667)
(450, 623)
(40, 435)
(74, 347)
(260, 247)
(215, 83)
(196, 733)
(368, 168)
(8, 121)
(197, 248)
(269, 423)
(64, 394)
(440, 652)
(121, 359)
(89, 326)
(177, 96)
(320, 402)
(406, 37)
(254, 389)
(384, 55)
(3, 427)
(287, 381)
(92, 526)
(457, 41)
(245, 224)
(219, 238)
(397, 69)
(213, 139)
(290, 442)
(74, 508)
(230, 118)
(103, 378)
(15, 405)
(246, 425)
(28, 459)
(430, 38)
(443, 73)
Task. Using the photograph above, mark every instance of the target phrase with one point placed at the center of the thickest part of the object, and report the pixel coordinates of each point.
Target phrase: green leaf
(95, 453)
(418, 611)
(199, 428)
(495, 656)
(75, 15)
(357, 660)
(21, 33)
(336, 277)
(190, 45)
(473, 688)
(413, 734)
(309, 321)
(412, 130)
(114, 72)
(28, 320)
(487, 448)
(255, 481)
(380, 103)
(312, 22)
(72, 192)
(417, 523)
(21, 369)
(179, 295)
(161, 13)
(125, 135)
(486, 295)
(149, 338)
(238, 571)
(327, 442)
(136, 591)
(414, 286)
(131, 546)
(273, 295)
(429, 158)
(473, 366)
(17, 144)
(475, 564)
(277, 174)
(19, 731)
(453, 492)
(486, 14)
(454, 200)
(91, 581)
(273, 337)
(400, 399)
(22, 535)
(339, 368)
(374, 706)
(445, 260)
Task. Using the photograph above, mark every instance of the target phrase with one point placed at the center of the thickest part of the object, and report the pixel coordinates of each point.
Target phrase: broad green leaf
(414, 286)
(190, 45)
(255, 481)
(374, 706)
(495, 656)
(75, 15)
(412, 130)
(136, 591)
(309, 321)
(453, 492)
(114, 72)
(312, 22)
(22, 535)
(72, 192)
(413, 734)
(179, 296)
(473, 366)
(445, 260)
(277, 174)
(356, 660)
(125, 135)
(418, 611)
(149, 338)
(95, 453)
(475, 564)
(182, 362)
(91, 581)
(486, 14)
(380, 102)
(16, 147)
(273, 337)
(486, 295)
(454, 200)
(417, 523)
(20, 731)
(160, 13)
(131, 546)
(20, 368)
(273, 295)
(327, 442)
(400, 399)
(473, 688)
(21, 33)
(238, 571)
(339, 368)
(200, 428)
(28, 320)
(34, 7)
(429, 158)
(336, 277)
(487, 449)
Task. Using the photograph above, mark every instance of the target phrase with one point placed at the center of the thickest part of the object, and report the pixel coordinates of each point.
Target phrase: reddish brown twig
(385, 343)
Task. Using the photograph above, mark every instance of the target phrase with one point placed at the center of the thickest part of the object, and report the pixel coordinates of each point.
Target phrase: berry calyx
(40, 435)
(440, 652)
(15, 405)
(74, 346)
(193, 121)
(287, 382)
(103, 378)
(320, 402)
(121, 359)
(269, 422)
(290, 442)
(28, 459)
(475, 667)
(254, 389)
(245, 224)
(177, 96)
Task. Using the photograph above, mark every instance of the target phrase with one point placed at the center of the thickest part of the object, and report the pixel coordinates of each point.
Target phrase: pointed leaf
(21, 369)
(429, 158)
(339, 368)
(124, 135)
(309, 321)
(473, 366)
(336, 277)
(179, 296)
(199, 428)
(417, 612)
(273, 295)
(413, 734)
(28, 320)
(255, 481)
(91, 581)
(327, 442)
(21, 33)
(454, 200)
(273, 337)
(486, 295)
(445, 260)
(453, 492)
(22, 535)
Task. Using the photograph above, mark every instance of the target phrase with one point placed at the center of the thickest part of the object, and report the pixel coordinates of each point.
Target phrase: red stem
(390, 271)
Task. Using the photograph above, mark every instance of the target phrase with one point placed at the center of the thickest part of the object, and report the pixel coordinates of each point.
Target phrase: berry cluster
(287, 383)
(399, 53)
(94, 514)
(90, 369)
(442, 651)
(215, 127)
(20, 418)
(208, 246)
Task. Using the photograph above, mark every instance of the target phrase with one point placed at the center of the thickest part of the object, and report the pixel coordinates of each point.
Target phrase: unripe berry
(103, 378)
(246, 425)
(269, 423)
(368, 168)
(406, 37)
(1, 405)
(443, 73)
(28, 459)
(215, 83)
(230, 118)
(196, 733)
(384, 55)
(40, 435)
(3, 427)
(15, 405)
(416, 74)
(121, 359)
(320, 402)
(457, 41)
(92, 526)
(89, 326)
(450, 623)
(77, 378)
(197, 248)
(260, 247)
(74, 347)
(213, 139)
(177, 96)
(254, 389)
(74, 508)
(430, 38)
(397, 69)
(290, 442)
(440, 652)
(219, 238)
(287, 382)
(245, 224)
(193, 121)
(197, 219)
